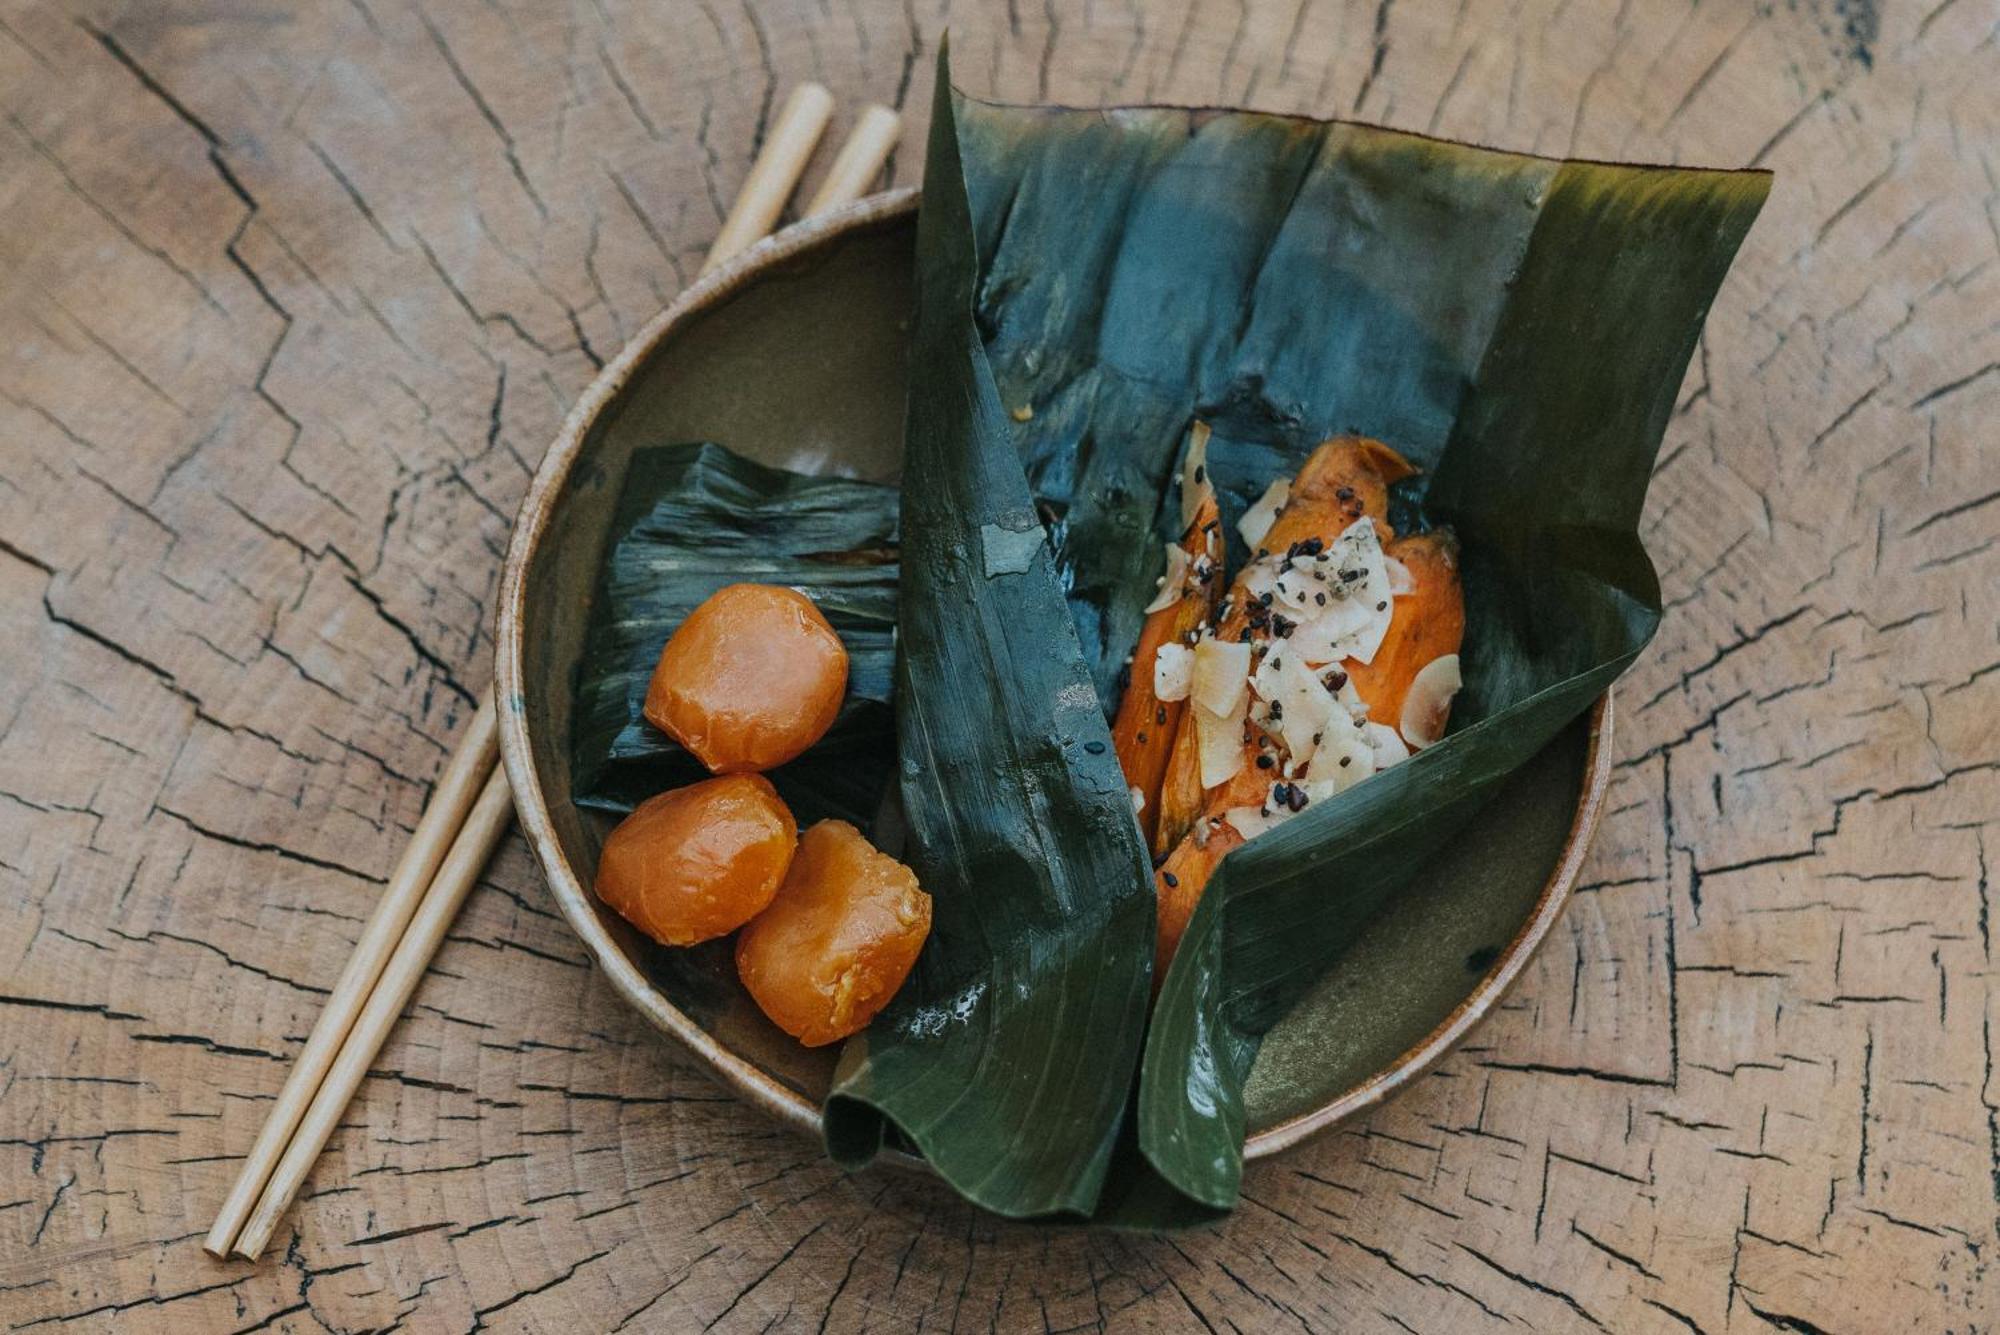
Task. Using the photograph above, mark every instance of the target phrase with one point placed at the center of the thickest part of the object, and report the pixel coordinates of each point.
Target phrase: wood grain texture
(291, 297)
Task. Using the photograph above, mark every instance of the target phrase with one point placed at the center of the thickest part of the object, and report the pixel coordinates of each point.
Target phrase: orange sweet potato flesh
(1143, 733)
(1343, 480)
(837, 941)
(1427, 623)
(1178, 885)
(698, 862)
(1180, 791)
(753, 677)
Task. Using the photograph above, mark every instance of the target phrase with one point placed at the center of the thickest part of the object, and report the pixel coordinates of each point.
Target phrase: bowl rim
(575, 899)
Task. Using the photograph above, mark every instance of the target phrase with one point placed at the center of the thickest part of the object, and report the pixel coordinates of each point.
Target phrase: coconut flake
(1388, 747)
(1219, 743)
(1427, 705)
(1257, 520)
(1253, 821)
(1401, 581)
(1343, 759)
(1220, 670)
(1333, 632)
(1259, 578)
(1350, 699)
(1264, 681)
(1195, 485)
(1173, 667)
(1356, 614)
(1138, 800)
(1363, 647)
(1173, 582)
(1305, 705)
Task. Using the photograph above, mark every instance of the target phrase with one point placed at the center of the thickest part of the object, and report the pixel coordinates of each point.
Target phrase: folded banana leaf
(1008, 1057)
(1089, 283)
(690, 519)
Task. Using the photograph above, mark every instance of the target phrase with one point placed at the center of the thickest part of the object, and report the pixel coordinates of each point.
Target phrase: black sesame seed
(1265, 761)
(1200, 473)
(1344, 494)
(1160, 715)
(1345, 761)
(1335, 679)
(1265, 599)
(1171, 879)
(1095, 748)
(1381, 607)
(1277, 710)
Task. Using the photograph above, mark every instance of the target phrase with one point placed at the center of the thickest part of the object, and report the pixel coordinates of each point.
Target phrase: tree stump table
(292, 296)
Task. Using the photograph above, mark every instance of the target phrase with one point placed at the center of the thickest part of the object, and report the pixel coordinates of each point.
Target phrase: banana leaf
(690, 519)
(1089, 282)
(1008, 1056)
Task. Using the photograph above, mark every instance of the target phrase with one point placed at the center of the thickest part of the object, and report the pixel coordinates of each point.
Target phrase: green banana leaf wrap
(1090, 282)
(690, 519)
(1008, 1056)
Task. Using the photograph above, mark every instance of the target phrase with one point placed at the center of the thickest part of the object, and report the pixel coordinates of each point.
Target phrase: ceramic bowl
(793, 354)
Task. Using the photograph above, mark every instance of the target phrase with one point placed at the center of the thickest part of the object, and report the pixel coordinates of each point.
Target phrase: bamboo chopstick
(456, 790)
(775, 173)
(471, 806)
(484, 826)
(859, 161)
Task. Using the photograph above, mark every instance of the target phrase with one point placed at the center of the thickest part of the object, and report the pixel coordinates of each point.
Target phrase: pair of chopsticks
(471, 806)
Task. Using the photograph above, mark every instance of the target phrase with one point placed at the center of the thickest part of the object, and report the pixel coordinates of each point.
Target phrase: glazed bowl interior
(793, 355)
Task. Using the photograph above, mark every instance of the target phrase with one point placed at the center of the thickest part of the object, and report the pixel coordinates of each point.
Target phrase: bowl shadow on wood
(793, 354)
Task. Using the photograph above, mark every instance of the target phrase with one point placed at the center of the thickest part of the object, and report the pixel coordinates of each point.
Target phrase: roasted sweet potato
(1427, 623)
(1343, 481)
(1178, 885)
(698, 862)
(839, 938)
(753, 677)
(1143, 732)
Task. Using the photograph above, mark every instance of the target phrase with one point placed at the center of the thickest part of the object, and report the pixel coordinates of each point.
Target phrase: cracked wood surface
(291, 298)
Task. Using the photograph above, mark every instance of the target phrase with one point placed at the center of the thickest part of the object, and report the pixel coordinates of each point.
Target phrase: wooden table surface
(293, 296)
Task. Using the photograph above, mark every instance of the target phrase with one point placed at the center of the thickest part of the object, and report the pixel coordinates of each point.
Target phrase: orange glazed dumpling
(752, 678)
(838, 940)
(700, 861)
